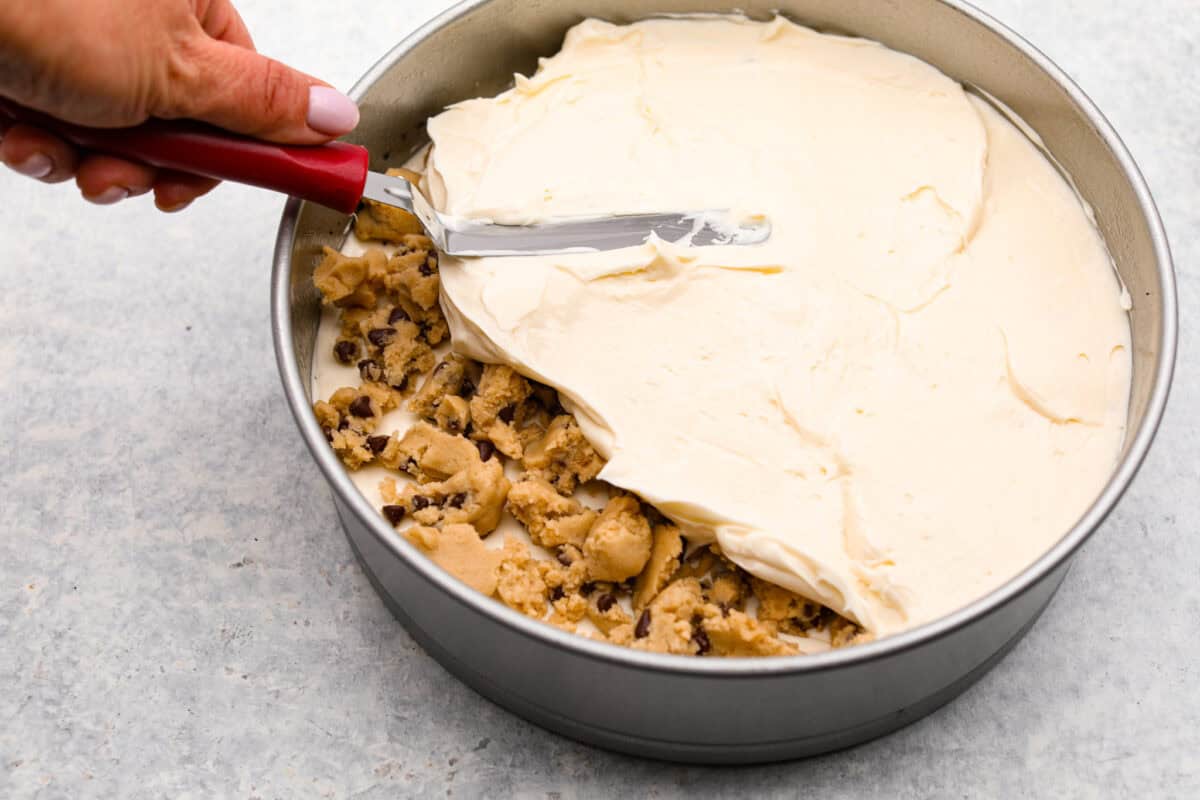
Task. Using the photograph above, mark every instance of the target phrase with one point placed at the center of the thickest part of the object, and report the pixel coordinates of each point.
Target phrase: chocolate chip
(642, 629)
(361, 407)
(345, 351)
(605, 601)
(556, 593)
(457, 500)
(700, 637)
(393, 514)
(402, 385)
(376, 444)
(507, 413)
(564, 558)
(468, 388)
(452, 425)
(486, 450)
(467, 431)
(328, 431)
(826, 617)
(586, 588)
(369, 369)
(380, 337)
(419, 502)
(398, 315)
(425, 270)
(343, 423)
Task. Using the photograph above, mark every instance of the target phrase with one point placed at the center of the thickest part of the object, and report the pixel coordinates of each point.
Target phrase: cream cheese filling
(898, 402)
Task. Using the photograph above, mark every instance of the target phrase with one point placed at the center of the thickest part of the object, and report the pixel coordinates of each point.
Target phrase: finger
(106, 180)
(174, 191)
(37, 154)
(222, 21)
(240, 90)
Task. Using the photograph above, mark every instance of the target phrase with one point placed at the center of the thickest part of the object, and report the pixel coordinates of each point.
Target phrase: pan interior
(474, 50)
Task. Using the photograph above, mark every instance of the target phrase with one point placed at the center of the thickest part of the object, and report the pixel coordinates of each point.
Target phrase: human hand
(115, 63)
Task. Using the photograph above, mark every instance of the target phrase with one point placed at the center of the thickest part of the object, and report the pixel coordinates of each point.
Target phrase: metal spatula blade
(337, 175)
(462, 237)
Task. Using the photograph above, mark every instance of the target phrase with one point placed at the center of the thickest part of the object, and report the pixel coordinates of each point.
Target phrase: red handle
(330, 174)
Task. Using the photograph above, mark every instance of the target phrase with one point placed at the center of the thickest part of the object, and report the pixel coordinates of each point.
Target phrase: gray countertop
(181, 616)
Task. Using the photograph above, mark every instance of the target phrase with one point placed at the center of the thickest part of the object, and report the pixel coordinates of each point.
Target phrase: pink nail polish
(113, 194)
(37, 165)
(330, 112)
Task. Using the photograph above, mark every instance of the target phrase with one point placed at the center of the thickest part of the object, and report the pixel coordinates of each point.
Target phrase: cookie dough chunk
(381, 222)
(564, 577)
(567, 571)
(699, 563)
(453, 414)
(843, 632)
(790, 612)
(680, 620)
(414, 271)
(493, 408)
(568, 611)
(349, 418)
(562, 456)
(551, 519)
(519, 580)
(350, 281)
(604, 611)
(439, 399)
(728, 587)
(430, 321)
(739, 634)
(618, 545)
(459, 550)
(430, 455)
(384, 223)
(666, 552)
(474, 496)
(396, 351)
(793, 614)
(445, 380)
(670, 624)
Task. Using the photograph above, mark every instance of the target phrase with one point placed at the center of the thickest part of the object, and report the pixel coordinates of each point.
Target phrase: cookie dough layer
(893, 406)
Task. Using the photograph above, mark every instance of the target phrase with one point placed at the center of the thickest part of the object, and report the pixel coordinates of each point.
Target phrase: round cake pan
(723, 710)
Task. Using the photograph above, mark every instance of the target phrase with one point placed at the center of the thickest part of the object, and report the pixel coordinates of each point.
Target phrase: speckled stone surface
(180, 615)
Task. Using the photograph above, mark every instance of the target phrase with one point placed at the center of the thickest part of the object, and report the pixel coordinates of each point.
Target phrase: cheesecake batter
(896, 404)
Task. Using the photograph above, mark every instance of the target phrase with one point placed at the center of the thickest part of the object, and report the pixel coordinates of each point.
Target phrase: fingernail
(37, 165)
(331, 112)
(174, 208)
(113, 194)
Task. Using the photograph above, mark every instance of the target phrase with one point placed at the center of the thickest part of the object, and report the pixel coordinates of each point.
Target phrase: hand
(115, 63)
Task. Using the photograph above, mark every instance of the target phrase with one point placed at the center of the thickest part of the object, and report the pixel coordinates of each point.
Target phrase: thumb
(243, 91)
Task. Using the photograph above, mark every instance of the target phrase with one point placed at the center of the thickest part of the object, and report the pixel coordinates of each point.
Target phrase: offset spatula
(337, 175)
